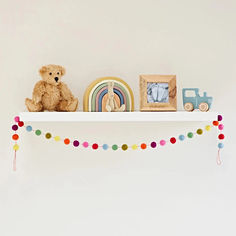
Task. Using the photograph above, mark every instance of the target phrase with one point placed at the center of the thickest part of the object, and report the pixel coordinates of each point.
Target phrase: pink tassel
(218, 160)
(14, 162)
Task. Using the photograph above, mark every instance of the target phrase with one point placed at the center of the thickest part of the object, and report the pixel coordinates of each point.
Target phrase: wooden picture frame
(158, 93)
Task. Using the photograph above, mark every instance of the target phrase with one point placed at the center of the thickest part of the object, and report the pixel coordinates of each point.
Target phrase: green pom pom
(38, 132)
(114, 147)
(190, 134)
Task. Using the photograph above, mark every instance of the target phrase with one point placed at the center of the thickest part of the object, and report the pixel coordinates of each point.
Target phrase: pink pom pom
(221, 127)
(162, 142)
(17, 119)
(85, 144)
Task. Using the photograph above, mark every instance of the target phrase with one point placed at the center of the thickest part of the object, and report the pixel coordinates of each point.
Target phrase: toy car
(196, 102)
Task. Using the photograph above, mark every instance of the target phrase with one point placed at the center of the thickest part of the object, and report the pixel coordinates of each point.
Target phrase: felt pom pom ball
(124, 147)
(173, 140)
(15, 137)
(48, 135)
(16, 147)
(143, 145)
(76, 143)
(199, 131)
(190, 134)
(208, 128)
(29, 128)
(181, 137)
(220, 145)
(153, 144)
(57, 138)
(162, 142)
(219, 118)
(221, 127)
(85, 144)
(95, 146)
(215, 123)
(114, 147)
(17, 119)
(66, 141)
(105, 146)
(20, 123)
(135, 147)
(15, 127)
(221, 136)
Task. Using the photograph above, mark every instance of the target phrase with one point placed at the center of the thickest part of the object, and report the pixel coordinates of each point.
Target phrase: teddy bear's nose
(56, 79)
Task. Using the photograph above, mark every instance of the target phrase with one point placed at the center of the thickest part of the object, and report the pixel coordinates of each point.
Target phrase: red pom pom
(215, 123)
(95, 146)
(20, 123)
(173, 140)
(221, 136)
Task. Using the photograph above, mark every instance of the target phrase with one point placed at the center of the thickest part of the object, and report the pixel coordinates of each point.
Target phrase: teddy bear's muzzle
(56, 79)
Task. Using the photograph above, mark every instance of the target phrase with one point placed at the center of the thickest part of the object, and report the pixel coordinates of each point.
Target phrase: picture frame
(158, 93)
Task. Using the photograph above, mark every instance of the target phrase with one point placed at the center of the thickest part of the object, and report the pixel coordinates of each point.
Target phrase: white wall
(58, 190)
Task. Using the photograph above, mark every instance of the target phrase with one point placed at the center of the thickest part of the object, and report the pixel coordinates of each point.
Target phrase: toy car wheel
(203, 106)
(188, 106)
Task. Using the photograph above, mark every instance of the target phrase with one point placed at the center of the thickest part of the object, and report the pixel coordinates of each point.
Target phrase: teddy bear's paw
(73, 105)
(33, 107)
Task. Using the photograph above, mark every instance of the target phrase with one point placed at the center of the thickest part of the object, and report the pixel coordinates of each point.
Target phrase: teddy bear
(51, 93)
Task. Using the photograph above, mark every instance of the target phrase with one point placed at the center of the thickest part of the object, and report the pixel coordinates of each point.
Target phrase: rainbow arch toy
(95, 96)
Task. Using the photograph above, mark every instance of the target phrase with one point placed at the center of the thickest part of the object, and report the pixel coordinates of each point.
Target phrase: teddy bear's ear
(42, 70)
(63, 70)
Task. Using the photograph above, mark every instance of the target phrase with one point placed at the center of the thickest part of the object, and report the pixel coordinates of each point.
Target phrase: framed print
(158, 93)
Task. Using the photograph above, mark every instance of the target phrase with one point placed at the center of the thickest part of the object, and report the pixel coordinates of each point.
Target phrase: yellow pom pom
(135, 146)
(16, 147)
(208, 128)
(57, 138)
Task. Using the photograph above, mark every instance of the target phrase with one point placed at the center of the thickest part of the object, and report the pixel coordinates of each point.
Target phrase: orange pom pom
(15, 136)
(143, 145)
(215, 123)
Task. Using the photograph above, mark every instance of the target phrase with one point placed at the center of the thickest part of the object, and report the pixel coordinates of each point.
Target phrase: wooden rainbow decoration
(95, 96)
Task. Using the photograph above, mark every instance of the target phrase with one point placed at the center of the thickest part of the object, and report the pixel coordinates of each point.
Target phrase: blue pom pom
(105, 146)
(220, 145)
(181, 137)
(28, 128)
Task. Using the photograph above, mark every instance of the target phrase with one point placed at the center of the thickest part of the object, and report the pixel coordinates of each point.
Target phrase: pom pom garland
(124, 147)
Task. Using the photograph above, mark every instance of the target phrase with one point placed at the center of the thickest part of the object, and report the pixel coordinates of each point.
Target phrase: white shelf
(117, 116)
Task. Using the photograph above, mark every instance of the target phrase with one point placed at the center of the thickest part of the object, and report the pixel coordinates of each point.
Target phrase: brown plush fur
(50, 93)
